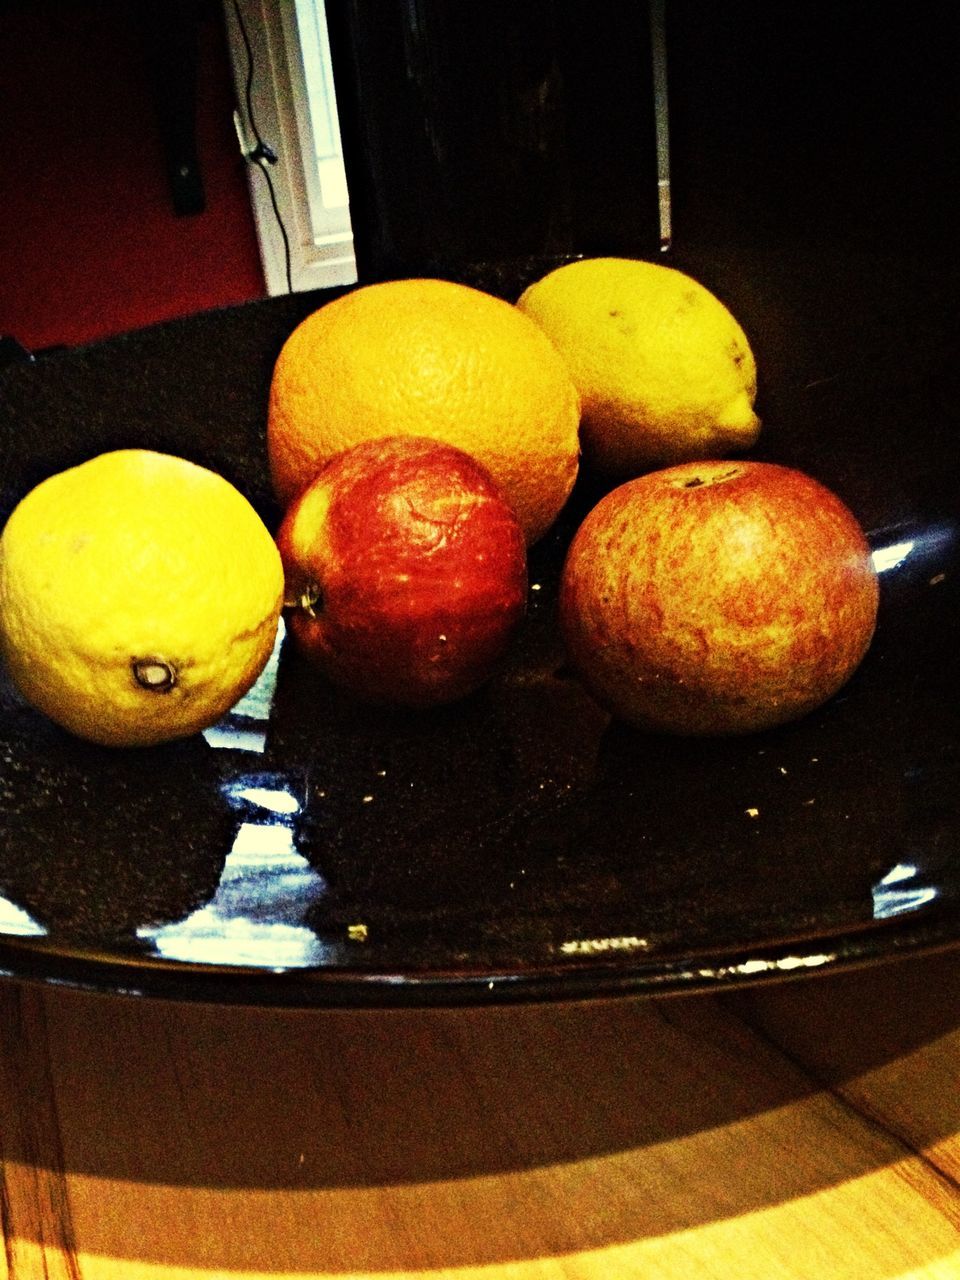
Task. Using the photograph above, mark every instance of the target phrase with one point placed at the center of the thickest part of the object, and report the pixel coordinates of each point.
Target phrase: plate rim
(318, 987)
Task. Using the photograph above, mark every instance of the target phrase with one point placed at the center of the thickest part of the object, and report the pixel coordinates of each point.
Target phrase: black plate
(520, 844)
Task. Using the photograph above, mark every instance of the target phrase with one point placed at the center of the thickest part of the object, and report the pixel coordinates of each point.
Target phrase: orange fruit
(424, 357)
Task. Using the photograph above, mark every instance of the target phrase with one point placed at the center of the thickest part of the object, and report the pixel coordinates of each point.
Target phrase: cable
(283, 230)
(262, 154)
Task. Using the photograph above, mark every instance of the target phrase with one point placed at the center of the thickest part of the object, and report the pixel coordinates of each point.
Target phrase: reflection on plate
(520, 844)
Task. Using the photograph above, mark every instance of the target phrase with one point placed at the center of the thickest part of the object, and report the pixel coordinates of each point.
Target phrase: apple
(717, 597)
(405, 571)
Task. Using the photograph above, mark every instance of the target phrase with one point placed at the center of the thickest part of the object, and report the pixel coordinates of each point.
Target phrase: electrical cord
(262, 155)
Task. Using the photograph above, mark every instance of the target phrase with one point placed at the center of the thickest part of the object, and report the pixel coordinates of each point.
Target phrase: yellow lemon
(664, 371)
(428, 358)
(139, 597)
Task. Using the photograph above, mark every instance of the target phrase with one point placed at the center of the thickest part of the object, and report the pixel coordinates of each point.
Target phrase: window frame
(317, 240)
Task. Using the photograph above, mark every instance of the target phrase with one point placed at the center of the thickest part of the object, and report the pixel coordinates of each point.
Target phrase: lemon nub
(154, 674)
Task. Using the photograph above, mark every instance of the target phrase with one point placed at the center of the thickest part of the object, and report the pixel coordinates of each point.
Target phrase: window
(287, 126)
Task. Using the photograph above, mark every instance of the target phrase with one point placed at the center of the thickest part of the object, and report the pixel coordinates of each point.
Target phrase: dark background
(487, 130)
(496, 130)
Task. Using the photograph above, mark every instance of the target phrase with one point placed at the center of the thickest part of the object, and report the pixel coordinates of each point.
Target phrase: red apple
(406, 571)
(717, 597)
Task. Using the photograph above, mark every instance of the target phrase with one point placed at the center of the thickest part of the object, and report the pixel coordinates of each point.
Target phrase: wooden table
(809, 1129)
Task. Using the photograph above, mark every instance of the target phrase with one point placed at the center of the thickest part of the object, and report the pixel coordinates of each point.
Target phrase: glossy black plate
(520, 844)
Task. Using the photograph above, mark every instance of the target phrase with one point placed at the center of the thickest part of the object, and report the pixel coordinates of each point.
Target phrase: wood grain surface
(809, 1129)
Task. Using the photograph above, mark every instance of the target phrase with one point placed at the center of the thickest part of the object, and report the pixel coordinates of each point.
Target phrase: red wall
(92, 245)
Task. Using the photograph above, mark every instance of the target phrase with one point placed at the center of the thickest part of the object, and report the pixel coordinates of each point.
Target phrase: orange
(424, 357)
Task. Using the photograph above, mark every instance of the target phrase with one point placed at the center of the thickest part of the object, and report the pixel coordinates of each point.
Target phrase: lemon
(139, 597)
(665, 372)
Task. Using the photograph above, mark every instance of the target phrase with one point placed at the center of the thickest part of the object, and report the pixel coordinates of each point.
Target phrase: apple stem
(708, 476)
(310, 600)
